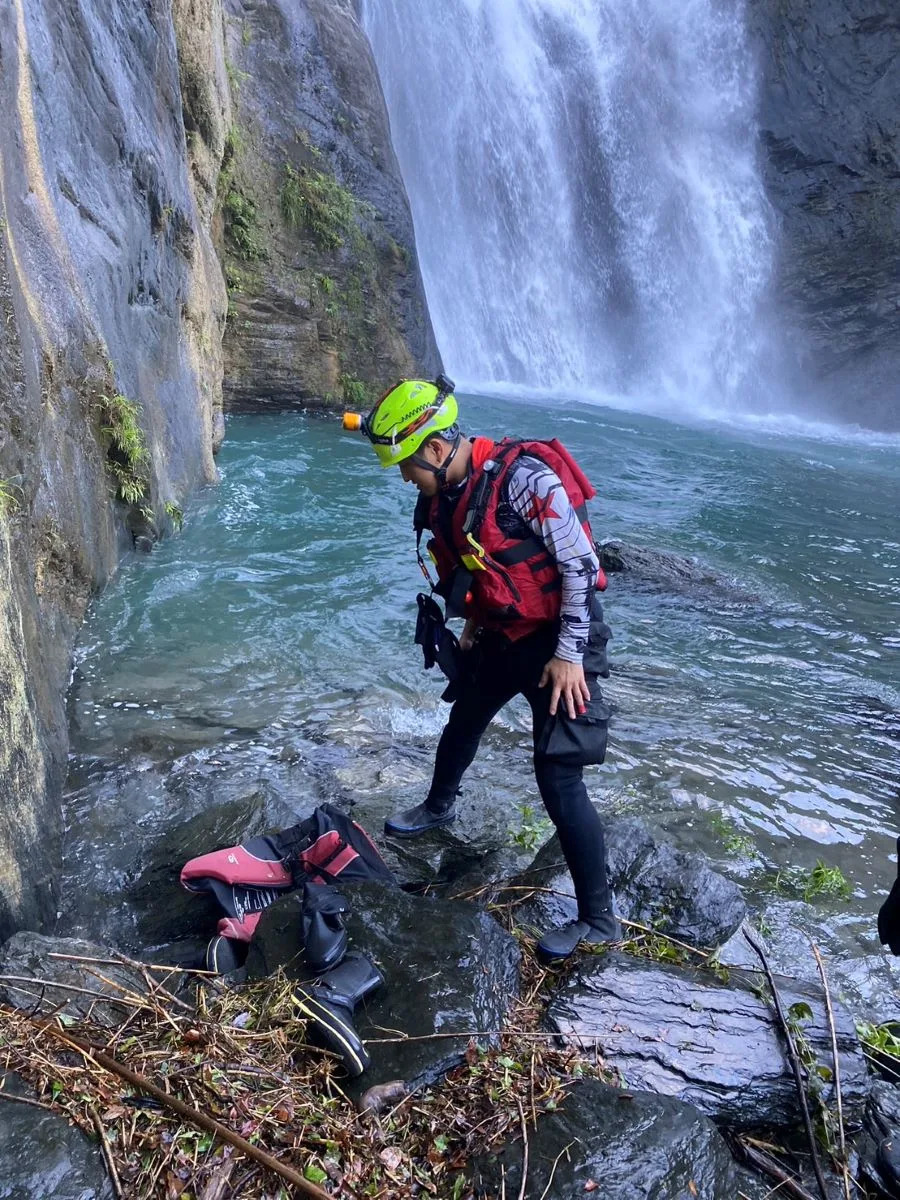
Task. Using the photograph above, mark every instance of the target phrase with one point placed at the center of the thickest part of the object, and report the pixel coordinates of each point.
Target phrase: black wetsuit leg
(493, 683)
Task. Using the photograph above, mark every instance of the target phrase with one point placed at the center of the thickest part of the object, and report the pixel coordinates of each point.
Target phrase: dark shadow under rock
(42, 1155)
(674, 891)
(714, 1044)
(879, 1150)
(631, 1145)
(76, 985)
(447, 967)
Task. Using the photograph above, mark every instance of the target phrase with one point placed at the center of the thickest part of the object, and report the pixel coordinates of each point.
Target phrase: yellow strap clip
(474, 562)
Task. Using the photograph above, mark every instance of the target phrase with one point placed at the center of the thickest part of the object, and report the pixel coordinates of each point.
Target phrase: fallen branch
(107, 1155)
(524, 1150)
(793, 1057)
(193, 1115)
(845, 1171)
(768, 1166)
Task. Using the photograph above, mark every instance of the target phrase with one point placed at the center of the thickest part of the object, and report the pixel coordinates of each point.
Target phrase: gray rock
(879, 1150)
(108, 284)
(42, 1156)
(27, 955)
(829, 104)
(674, 572)
(672, 890)
(864, 979)
(633, 1146)
(309, 312)
(715, 1045)
(447, 967)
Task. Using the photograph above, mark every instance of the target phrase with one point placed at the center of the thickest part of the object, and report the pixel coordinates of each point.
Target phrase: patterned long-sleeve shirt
(534, 496)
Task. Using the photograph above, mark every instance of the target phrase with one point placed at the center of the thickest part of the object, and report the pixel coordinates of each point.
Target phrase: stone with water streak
(621, 1145)
(43, 1156)
(448, 968)
(674, 891)
(684, 1032)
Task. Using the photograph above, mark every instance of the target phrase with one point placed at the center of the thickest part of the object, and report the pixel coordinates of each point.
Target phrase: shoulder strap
(491, 472)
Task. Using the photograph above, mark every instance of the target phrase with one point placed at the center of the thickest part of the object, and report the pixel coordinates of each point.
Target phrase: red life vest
(515, 584)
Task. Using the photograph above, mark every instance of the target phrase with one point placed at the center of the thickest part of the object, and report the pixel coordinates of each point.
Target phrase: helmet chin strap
(440, 473)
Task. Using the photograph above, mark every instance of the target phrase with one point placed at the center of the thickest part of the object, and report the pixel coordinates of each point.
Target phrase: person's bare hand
(569, 685)
(467, 637)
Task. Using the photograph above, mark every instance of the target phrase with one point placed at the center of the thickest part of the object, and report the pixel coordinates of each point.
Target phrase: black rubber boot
(560, 943)
(415, 821)
(328, 1002)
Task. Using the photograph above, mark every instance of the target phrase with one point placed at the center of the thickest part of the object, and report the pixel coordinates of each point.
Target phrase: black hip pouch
(580, 742)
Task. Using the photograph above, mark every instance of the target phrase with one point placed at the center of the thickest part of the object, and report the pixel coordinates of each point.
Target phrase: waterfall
(589, 215)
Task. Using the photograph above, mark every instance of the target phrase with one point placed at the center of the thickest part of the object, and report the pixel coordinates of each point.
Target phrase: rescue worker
(514, 554)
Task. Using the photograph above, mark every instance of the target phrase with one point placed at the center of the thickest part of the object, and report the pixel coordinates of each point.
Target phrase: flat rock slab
(684, 1033)
(632, 1145)
(448, 967)
(674, 891)
(72, 983)
(43, 1156)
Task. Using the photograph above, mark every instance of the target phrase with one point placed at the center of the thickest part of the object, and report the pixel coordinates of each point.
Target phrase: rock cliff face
(112, 303)
(325, 299)
(830, 118)
(121, 164)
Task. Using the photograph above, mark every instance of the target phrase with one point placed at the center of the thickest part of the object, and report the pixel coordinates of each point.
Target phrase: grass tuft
(316, 202)
(127, 457)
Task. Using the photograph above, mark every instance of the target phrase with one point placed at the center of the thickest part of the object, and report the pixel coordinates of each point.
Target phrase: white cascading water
(589, 214)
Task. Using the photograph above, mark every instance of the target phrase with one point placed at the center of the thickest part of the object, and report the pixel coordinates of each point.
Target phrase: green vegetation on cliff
(316, 202)
(127, 457)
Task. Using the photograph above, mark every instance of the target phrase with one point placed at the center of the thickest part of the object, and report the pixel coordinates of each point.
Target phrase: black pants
(505, 669)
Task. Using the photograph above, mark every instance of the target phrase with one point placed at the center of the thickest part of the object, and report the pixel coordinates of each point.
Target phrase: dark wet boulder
(675, 572)
(674, 891)
(71, 981)
(866, 979)
(42, 1155)
(621, 1145)
(879, 1149)
(134, 827)
(447, 967)
(712, 1043)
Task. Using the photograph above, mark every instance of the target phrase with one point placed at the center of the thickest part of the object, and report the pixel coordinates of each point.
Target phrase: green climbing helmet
(408, 415)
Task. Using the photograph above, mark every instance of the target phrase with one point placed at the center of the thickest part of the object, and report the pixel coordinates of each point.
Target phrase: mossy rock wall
(326, 305)
(110, 291)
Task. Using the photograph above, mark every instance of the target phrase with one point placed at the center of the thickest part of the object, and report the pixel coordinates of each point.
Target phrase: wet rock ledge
(695, 1049)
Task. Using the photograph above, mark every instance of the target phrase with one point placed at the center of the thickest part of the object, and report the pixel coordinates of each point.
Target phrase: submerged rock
(42, 1155)
(620, 1145)
(675, 572)
(672, 890)
(714, 1044)
(448, 967)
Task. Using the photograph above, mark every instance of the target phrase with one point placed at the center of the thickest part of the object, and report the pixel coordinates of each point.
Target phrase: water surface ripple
(772, 698)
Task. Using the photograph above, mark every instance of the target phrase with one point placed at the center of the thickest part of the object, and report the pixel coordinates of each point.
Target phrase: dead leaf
(391, 1157)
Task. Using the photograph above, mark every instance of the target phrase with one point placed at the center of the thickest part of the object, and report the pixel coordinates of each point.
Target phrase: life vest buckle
(474, 562)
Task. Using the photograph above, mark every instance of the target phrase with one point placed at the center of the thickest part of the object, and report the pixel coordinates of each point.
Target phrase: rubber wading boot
(417, 820)
(563, 942)
(328, 1002)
